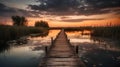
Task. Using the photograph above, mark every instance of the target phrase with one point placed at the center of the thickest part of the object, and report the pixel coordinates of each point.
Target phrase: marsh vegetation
(14, 32)
(107, 32)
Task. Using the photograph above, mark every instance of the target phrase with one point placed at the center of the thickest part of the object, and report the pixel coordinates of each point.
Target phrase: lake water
(94, 52)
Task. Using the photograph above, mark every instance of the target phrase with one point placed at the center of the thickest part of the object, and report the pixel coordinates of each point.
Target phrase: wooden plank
(61, 54)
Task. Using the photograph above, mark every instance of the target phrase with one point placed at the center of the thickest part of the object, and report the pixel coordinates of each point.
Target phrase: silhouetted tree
(19, 21)
(41, 24)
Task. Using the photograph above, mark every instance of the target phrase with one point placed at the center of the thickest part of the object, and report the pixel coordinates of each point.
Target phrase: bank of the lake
(14, 32)
(112, 32)
(107, 32)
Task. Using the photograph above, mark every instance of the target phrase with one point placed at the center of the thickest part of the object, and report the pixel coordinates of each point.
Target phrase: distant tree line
(22, 21)
(19, 21)
(41, 24)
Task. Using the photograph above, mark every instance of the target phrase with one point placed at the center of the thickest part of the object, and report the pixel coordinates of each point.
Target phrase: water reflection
(4, 47)
(44, 40)
(27, 53)
(93, 51)
(21, 56)
(96, 52)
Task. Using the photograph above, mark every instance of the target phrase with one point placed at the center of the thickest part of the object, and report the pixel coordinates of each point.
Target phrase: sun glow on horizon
(54, 23)
(64, 13)
(105, 22)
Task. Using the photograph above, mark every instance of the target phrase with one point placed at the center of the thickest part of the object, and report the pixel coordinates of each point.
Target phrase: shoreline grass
(112, 32)
(14, 32)
(107, 32)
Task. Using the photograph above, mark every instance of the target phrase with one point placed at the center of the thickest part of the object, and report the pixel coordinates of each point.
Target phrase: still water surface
(94, 52)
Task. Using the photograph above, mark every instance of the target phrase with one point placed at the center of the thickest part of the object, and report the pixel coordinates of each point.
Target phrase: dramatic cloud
(62, 7)
(6, 11)
(75, 7)
(61, 10)
(56, 6)
(104, 3)
(78, 20)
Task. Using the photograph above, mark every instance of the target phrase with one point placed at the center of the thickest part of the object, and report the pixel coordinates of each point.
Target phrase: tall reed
(14, 32)
(108, 32)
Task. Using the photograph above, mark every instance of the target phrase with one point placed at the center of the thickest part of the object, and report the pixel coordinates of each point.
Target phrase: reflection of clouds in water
(88, 47)
(99, 55)
(46, 41)
(93, 50)
(75, 40)
(85, 48)
(39, 42)
(36, 48)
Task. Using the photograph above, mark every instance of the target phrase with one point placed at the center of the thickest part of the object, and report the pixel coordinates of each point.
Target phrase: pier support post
(77, 49)
(46, 49)
(82, 32)
(68, 40)
(51, 40)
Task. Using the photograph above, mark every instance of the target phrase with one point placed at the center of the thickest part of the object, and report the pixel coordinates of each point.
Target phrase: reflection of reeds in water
(109, 32)
(14, 32)
(4, 47)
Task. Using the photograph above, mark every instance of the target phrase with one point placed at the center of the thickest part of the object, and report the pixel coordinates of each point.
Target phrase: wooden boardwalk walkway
(61, 54)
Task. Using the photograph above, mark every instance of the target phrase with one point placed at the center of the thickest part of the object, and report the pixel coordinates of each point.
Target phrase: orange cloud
(105, 22)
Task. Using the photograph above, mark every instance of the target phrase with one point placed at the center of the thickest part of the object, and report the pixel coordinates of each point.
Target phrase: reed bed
(107, 32)
(14, 32)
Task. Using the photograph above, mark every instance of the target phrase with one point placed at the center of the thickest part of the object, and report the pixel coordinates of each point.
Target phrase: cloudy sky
(62, 12)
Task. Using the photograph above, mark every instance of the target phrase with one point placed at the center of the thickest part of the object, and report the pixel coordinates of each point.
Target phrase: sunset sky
(62, 12)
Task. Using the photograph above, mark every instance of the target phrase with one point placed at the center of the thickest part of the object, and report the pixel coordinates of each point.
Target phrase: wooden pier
(61, 54)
